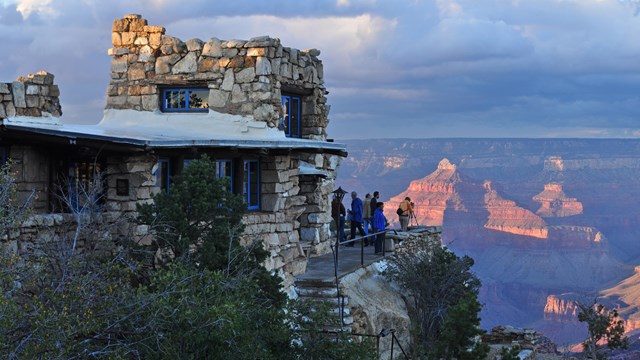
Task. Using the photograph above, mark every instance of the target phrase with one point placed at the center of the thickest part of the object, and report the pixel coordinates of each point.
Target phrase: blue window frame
(163, 174)
(224, 168)
(291, 105)
(185, 100)
(251, 184)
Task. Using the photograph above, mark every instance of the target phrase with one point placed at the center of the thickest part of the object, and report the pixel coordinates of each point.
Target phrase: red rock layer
(431, 196)
(554, 202)
(560, 308)
(506, 216)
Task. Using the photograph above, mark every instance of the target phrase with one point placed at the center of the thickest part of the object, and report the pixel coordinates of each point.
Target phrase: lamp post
(339, 193)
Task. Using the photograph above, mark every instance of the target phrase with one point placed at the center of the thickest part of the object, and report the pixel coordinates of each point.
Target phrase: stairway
(325, 291)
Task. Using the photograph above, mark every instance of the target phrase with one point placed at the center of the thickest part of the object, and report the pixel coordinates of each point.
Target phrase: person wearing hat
(405, 210)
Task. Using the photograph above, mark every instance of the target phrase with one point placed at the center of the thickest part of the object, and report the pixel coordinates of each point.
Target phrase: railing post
(393, 337)
(362, 250)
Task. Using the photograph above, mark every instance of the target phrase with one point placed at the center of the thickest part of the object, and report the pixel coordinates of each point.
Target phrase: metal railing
(384, 333)
(335, 248)
(394, 340)
(363, 240)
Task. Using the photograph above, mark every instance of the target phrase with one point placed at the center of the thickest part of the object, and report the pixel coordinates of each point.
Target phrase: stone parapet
(35, 95)
(411, 241)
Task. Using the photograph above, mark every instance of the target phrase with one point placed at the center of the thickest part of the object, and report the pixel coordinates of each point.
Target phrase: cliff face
(506, 216)
(554, 202)
(561, 308)
(431, 196)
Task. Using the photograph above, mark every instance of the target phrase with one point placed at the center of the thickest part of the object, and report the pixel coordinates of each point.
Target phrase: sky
(393, 68)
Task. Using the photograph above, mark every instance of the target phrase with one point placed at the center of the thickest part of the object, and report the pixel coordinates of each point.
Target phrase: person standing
(374, 201)
(356, 216)
(338, 213)
(379, 224)
(367, 215)
(407, 210)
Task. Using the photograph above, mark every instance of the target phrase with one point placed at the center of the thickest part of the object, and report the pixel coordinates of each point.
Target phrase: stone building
(257, 108)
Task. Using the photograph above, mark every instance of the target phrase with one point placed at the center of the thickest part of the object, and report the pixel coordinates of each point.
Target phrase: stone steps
(316, 291)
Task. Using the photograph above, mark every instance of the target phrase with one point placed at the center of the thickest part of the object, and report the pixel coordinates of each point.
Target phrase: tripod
(413, 219)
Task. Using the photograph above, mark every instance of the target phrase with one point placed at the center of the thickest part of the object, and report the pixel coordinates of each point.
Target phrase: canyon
(548, 221)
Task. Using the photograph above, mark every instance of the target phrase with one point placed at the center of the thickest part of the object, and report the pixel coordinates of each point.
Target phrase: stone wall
(58, 232)
(32, 171)
(137, 172)
(316, 219)
(244, 77)
(294, 214)
(35, 95)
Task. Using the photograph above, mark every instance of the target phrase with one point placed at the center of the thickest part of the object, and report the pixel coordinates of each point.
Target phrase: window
(122, 187)
(243, 175)
(291, 105)
(163, 174)
(251, 184)
(185, 100)
(224, 168)
(85, 184)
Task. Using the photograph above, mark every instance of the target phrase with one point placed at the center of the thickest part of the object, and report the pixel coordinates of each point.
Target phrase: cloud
(28, 7)
(429, 67)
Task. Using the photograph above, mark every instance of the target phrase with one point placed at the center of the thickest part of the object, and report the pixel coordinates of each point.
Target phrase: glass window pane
(223, 169)
(199, 99)
(187, 99)
(295, 116)
(251, 184)
(182, 99)
(162, 175)
(285, 116)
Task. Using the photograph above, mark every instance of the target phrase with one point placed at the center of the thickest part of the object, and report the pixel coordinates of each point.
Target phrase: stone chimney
(34, 96)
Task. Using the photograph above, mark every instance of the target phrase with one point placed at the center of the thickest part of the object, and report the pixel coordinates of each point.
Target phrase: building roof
(174, 130)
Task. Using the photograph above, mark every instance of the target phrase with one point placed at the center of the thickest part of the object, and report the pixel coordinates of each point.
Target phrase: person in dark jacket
(356, 216)
(374, 201)
(379, 224)
(338, 212)
(367, 214)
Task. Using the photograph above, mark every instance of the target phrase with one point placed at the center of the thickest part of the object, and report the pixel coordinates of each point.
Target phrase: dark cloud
(421, 68)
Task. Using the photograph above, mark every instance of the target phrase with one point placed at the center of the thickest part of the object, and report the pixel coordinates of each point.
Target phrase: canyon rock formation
(540, 217)
(431, 196)
(506, 216)
(554, 202)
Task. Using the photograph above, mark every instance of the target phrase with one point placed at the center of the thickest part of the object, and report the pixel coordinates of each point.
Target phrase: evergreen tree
(604, 326)
(443, 294)
(199, 222)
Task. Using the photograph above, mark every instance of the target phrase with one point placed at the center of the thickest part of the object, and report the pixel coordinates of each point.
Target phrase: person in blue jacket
(356, 216)
(379, 224)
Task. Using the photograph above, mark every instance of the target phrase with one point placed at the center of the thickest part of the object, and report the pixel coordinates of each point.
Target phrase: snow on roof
(158, 129)
(308, 169)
